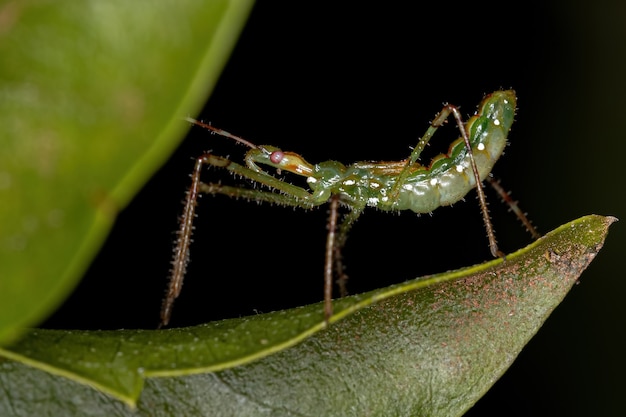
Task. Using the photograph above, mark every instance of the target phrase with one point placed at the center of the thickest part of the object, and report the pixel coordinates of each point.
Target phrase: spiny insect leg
(340, 241)
(415, 154)
(328, 262)
(290, 195)
(493, 244)
(181, 251)
(435, 124)
(514, 207)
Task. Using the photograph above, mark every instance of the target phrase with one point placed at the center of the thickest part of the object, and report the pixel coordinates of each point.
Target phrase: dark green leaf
(432, 346)
(92, 96)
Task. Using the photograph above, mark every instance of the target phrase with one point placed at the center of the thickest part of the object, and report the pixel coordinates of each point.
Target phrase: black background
(361, 82)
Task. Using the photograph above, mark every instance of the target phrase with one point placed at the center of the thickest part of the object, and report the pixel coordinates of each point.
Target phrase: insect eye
(277, 156)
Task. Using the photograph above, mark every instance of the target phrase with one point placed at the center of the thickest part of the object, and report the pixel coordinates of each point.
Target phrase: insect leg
(181, 250)
(344, 228)
(435, 124)
(416, 152)
(328, 262)
(291, 195)
(514, 207)
(334, 244)
(439, 120)
(493, 244)
(259, 196)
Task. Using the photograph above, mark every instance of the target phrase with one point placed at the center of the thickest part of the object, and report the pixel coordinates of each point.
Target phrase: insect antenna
(222, 132)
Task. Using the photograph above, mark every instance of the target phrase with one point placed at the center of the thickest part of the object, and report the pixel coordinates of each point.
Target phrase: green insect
(389, 186)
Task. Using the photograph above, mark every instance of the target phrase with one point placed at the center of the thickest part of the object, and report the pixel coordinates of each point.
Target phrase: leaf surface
(431, 346)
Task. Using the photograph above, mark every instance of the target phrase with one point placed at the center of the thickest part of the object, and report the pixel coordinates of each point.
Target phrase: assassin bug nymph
(389, 186)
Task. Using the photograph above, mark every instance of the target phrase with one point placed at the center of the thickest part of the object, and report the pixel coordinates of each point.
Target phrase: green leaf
(432, 346)
(92, 96)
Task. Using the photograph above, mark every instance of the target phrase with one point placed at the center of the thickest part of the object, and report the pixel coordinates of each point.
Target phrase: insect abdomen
(450, 177)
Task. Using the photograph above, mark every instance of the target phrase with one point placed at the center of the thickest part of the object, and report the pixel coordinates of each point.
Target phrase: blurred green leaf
(432, 346)
(92, 94)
